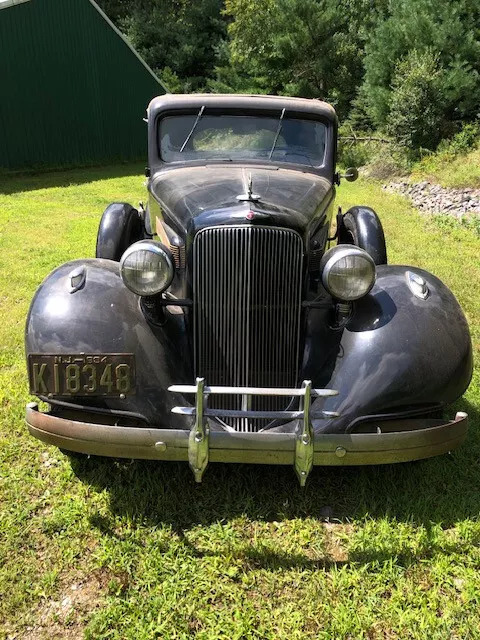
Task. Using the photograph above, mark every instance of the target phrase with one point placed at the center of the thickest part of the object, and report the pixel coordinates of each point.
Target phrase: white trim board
(10, 3)
(120, 34)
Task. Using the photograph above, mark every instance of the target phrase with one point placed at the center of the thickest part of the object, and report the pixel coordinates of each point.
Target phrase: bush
(388, 162)
(456, 163)
(463, 141)
(379, 157)
(354, 155)
(415, 119)
(171, 80)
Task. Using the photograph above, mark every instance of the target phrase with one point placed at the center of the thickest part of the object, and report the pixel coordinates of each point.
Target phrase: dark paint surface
(191, 198)
(105, 317)
(120, 225)
(366, 229)
(397, 351)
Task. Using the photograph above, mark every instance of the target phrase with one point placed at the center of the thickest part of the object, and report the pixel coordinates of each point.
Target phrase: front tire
(362, 227)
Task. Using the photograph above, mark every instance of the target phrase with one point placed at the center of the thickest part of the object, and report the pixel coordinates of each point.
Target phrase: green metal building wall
(72, 91)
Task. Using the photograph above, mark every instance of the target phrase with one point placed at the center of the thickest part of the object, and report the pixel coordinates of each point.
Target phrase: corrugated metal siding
(71, 89)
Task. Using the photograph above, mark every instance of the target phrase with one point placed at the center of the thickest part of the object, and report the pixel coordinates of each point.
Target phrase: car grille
(247, 299)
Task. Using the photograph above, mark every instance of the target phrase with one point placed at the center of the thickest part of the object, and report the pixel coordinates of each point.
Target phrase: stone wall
(432, 198)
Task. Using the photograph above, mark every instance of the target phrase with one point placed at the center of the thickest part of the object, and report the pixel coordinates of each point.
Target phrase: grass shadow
(440, 490)
(16, 182)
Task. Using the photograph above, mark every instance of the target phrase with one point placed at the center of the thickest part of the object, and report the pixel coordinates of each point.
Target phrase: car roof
(298, 106)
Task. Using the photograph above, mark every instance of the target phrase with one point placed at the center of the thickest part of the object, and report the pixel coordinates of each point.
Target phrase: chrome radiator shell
(247, 286)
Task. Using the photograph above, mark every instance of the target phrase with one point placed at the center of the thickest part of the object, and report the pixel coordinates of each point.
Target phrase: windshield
(238, 137)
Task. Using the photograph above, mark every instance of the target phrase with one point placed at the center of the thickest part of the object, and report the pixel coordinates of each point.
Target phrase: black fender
(103, 316)
(120, 226)
(398, 351)
(362, 227)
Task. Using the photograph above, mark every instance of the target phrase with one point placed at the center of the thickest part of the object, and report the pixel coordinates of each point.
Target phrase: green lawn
(108, 549)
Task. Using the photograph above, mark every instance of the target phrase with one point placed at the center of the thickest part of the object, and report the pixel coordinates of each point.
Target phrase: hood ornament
(249, 196)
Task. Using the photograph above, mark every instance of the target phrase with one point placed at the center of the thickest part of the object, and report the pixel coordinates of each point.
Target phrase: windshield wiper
(197, 120)
(279, 128)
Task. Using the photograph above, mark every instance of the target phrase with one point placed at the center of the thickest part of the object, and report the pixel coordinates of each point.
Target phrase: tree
(178, 36)
(415, 117)
(310, 48)
(449, 29)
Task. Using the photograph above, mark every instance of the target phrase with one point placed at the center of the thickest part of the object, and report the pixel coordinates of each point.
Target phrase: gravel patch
(432, 198)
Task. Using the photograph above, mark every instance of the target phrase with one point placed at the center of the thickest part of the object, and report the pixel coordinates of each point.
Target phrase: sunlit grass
(450, 171)
(137, 550)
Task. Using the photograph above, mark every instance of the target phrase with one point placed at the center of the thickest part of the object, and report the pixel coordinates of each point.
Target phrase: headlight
(348, 272)
(146, 268)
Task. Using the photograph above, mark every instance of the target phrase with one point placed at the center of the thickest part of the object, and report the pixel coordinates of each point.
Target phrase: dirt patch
(65, 616)
(335, 544)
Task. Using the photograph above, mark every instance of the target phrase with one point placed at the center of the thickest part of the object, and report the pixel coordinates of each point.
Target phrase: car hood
(207, 195)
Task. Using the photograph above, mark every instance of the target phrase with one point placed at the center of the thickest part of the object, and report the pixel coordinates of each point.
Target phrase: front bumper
(416, 439)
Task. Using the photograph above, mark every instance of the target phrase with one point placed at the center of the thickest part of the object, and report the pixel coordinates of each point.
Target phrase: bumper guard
(198, 447)
(420, 438)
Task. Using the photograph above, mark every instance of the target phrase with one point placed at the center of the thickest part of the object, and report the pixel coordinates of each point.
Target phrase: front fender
(398, 351)
(119, 227)
(103, 316)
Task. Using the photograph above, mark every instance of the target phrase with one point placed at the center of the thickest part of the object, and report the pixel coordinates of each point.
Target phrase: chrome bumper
(199, 438)
(422, 441)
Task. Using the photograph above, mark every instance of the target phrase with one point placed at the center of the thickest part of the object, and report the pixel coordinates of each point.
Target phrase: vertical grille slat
(247, 300)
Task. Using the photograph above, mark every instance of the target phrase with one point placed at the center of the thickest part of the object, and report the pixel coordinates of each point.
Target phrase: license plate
(105, 374)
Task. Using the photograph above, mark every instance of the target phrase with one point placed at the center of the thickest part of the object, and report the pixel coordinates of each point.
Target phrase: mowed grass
(111, 549)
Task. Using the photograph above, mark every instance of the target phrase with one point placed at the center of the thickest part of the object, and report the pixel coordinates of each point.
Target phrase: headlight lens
(146, 268)
(348, 272)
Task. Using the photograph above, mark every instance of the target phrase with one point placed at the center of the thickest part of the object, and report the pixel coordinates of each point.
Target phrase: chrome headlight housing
(147, 268)
(348, 272)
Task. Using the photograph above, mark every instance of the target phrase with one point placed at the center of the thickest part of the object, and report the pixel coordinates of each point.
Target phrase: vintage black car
(220, 322)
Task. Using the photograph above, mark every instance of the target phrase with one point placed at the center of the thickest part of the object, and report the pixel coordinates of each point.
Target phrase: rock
(434, 198)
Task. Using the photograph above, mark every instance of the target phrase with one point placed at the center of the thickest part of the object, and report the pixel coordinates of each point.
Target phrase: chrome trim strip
(254, 391)
(422, 441)
(198, 455)
(247, 413)
(303, 461)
